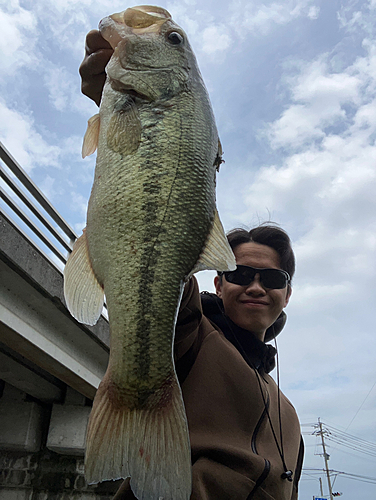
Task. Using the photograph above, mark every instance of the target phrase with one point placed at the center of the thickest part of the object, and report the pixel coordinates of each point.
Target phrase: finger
(94, 42)
(92, 70)
(95, 63)
(94, 87)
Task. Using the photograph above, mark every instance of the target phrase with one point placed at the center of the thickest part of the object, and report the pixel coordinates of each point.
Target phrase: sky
(293, 88)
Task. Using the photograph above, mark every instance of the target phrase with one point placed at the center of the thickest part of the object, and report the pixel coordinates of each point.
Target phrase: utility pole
(326, 458)
(321, 491)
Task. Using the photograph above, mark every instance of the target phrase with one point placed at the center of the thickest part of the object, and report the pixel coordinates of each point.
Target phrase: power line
(355, 477)
(338, 431)
(352, 442)
(350, 436)
(346, 440)
(348, 475)
(360, 407)
(350, 445)
(352, 454)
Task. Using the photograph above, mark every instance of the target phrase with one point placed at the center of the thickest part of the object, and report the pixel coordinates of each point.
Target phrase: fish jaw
(142, 19)
(129, 82)
(141, 83)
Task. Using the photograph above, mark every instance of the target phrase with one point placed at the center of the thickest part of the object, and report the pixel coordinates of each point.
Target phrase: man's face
(253, 307)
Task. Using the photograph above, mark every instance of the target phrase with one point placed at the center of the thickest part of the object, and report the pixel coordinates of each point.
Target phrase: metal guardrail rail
(59, 240)
(29, 218)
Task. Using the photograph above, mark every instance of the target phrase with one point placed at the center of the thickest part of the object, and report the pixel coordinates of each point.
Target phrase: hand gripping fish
(151, 223)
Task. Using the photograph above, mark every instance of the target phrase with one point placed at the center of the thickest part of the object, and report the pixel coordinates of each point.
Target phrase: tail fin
(149, 445)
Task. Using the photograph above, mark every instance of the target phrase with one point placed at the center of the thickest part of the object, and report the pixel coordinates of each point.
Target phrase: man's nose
(255, 287)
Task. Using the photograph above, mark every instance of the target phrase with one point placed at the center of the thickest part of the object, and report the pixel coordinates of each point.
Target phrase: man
(244, 433)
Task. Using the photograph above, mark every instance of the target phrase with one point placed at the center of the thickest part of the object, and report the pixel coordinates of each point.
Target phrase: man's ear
(288, 295)
(218, 286)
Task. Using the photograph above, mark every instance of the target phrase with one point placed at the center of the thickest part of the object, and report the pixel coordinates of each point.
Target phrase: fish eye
(175, 38)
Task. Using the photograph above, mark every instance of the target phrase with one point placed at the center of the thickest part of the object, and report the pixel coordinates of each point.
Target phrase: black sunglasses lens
(270, 278)
(273, 278)
(243, 275)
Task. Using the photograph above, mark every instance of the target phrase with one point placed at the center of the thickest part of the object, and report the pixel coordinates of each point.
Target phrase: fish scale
(151, 223)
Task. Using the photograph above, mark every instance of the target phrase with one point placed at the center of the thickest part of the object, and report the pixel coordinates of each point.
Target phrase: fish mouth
(137, 20)
(134, 20)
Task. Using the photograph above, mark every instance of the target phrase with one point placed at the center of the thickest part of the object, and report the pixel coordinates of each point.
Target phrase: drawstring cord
(287, 474)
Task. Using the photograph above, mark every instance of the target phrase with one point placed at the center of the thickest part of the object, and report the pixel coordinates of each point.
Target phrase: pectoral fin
(217, 253)
(91, 138)
(124, 130)
(83, 294)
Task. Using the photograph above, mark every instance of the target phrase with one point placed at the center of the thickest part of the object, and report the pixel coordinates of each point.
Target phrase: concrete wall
(42, 449)
(48, 476)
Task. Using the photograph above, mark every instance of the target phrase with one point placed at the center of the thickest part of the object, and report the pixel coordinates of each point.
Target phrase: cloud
(59, 84)
(18, 134)
(319, 97)
(67, 23)
(326, 139)
(313, 12)
(326, 194)
(63, 91)
(355, 16)
(216, 39)
(47, 187)
(329, 294)
(73, 145)
(18, 38)
(79, 204)
(259, 19)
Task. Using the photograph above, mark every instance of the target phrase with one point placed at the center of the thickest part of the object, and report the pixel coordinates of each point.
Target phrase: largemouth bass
(151, 223)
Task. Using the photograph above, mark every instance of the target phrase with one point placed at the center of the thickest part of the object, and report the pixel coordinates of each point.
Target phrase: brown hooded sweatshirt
(232, 410)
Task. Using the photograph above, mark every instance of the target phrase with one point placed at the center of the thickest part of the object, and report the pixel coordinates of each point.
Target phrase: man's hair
(270, 235)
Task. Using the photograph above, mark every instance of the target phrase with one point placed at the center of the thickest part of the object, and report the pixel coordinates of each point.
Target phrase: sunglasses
(269, 278)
